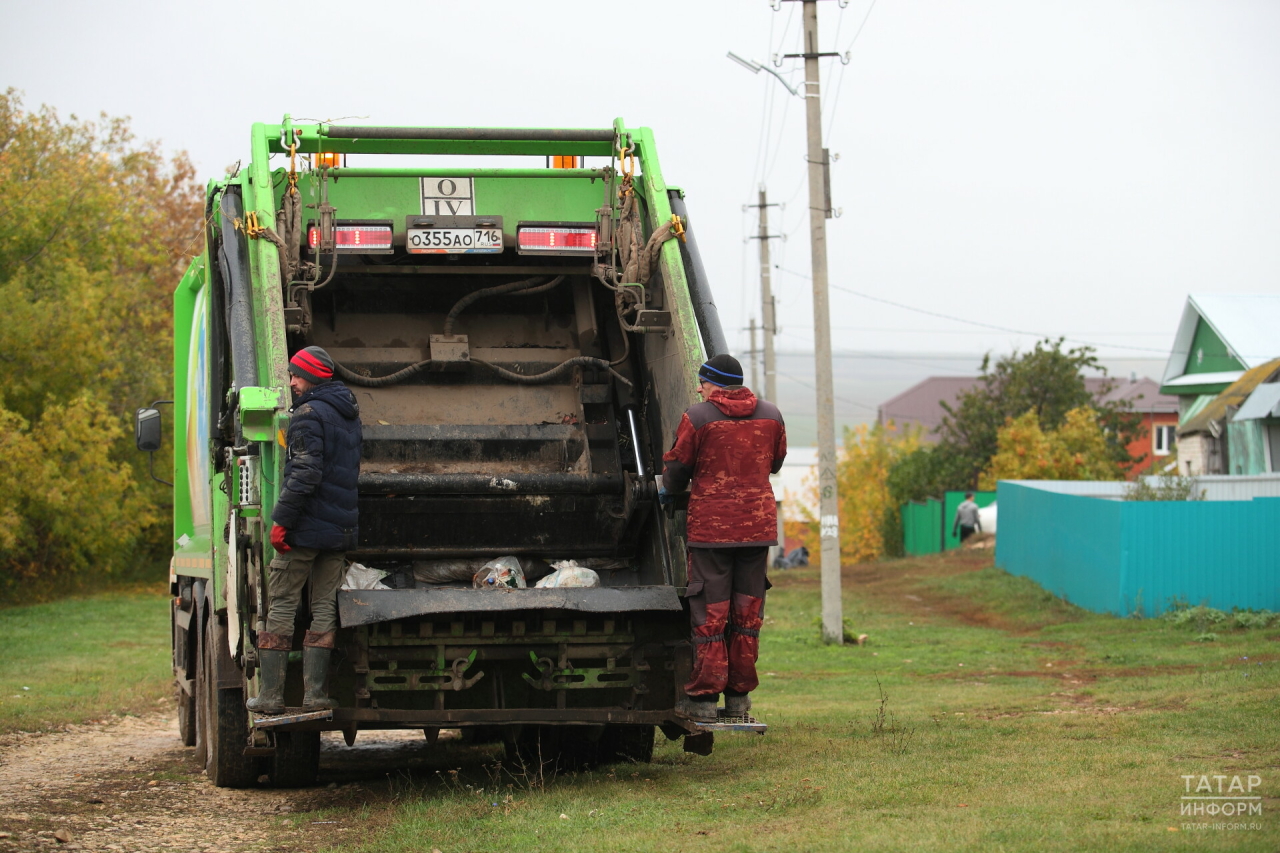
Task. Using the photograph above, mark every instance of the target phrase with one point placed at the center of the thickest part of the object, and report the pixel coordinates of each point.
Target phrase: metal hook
(844, 57)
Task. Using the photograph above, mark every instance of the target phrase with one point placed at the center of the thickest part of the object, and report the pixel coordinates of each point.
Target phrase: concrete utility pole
(819, 212)
(755, 375)
(767, 305)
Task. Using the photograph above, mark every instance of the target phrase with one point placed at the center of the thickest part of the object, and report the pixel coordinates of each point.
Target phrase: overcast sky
(1066, 168)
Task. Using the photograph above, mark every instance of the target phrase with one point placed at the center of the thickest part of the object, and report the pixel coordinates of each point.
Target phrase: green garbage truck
(521, 323)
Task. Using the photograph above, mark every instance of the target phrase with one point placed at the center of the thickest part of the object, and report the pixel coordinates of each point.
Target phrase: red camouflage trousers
(726, 608)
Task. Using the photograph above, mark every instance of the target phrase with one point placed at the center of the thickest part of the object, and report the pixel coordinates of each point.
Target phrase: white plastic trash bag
(363, 577)
(568, 574)
(502, 573)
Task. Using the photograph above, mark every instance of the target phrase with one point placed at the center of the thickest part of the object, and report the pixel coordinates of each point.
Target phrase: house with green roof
(1223, 355)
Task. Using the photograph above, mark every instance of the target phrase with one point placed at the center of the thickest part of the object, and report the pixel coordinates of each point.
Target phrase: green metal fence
(922, 527)
(1124, 557)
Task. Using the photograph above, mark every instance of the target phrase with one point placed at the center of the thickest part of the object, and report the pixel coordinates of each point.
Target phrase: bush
(95, 233)
(1164, 487)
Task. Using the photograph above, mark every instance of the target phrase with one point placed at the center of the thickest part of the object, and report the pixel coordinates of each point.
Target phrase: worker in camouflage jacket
(725, 450)
(314, 524)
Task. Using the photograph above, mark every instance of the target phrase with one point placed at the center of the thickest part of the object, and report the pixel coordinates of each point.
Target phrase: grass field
(84, 658)
(983, 714)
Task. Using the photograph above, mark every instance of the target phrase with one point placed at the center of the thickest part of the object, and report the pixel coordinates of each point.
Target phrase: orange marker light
(327, 160)
(566, 162)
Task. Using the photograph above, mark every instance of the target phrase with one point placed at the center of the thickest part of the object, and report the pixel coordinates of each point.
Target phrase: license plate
(450, 241)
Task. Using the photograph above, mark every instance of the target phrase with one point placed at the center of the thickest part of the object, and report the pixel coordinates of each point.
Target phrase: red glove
(277, 538)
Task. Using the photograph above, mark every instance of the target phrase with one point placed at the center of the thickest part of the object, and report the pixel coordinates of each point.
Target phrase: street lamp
(755, 68)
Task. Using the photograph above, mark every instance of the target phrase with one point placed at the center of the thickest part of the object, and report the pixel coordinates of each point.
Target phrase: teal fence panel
(1069, 544)
(1126, 556)
(922, 527)
(950, 501)
(1221, 553)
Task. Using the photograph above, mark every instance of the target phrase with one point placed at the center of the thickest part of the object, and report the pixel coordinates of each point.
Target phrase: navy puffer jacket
(318, 498)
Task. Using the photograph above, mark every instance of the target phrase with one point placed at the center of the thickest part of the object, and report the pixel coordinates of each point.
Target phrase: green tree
(1047, 381)
(94, 233)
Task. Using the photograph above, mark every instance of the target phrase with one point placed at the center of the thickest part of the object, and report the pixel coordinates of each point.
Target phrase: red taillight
(355, 238)
(557, 239)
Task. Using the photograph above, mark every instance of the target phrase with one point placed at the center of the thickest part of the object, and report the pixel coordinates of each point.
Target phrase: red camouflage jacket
(725, 450)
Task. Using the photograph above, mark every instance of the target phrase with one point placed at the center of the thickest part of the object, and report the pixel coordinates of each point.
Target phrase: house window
(1163, 439)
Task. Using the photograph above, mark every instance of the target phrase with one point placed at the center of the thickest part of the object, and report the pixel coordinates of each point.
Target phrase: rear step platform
(290, 716)
(725, 723)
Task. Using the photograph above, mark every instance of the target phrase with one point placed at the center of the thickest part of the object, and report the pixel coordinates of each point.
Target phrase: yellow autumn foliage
(95, 230)
(1077, 450)
(862, 477)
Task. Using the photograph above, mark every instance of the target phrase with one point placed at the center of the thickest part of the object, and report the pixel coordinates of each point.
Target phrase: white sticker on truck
(447, 197)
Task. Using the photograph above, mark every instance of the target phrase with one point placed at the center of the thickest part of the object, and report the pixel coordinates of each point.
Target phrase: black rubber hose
(539, 378)
(524, 287)
(704, 303)
(519, 378)
(380, 381)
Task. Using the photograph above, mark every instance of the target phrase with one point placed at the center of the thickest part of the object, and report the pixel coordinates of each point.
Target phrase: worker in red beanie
(315, 524)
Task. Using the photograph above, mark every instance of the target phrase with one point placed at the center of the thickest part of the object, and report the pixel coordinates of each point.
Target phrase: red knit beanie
(312, 364)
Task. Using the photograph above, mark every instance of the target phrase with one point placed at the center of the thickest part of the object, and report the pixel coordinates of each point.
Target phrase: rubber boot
(701, 709)
(737, 705)
(271, 667)
(315, 669)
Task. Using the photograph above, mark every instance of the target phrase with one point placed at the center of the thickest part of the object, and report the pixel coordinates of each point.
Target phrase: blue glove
(664, 497)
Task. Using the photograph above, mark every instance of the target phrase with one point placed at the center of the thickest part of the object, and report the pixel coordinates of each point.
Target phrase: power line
(840, 81)
(810, 386)
(857, 293)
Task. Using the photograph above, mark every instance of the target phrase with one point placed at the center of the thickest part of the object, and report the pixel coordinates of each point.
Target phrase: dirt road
(127, 784)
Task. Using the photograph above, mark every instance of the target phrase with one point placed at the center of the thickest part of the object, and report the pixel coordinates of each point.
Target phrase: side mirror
(147, 434)
(146, 429)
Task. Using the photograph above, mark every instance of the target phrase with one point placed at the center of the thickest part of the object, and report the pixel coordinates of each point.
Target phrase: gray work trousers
(289, 574)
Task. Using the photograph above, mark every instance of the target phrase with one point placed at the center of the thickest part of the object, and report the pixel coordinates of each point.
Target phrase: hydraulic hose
(524, 287)
(519, 378)
(539, 378)
(380, 381)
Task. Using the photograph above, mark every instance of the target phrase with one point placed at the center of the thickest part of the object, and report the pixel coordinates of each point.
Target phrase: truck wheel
(186, 701)
(186, 717)
(297, 760)
(225, 724)
(632, 744)
(547, 750)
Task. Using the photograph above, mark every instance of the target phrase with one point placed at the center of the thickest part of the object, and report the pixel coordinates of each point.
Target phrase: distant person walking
(314, 525)
(725, 450)
(967, 521)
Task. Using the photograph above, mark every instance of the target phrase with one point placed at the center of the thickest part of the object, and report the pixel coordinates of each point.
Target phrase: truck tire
(543, 751)
(186, 716)
(225, 724)
(186, 701)
(296, 763)
(626, 744)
